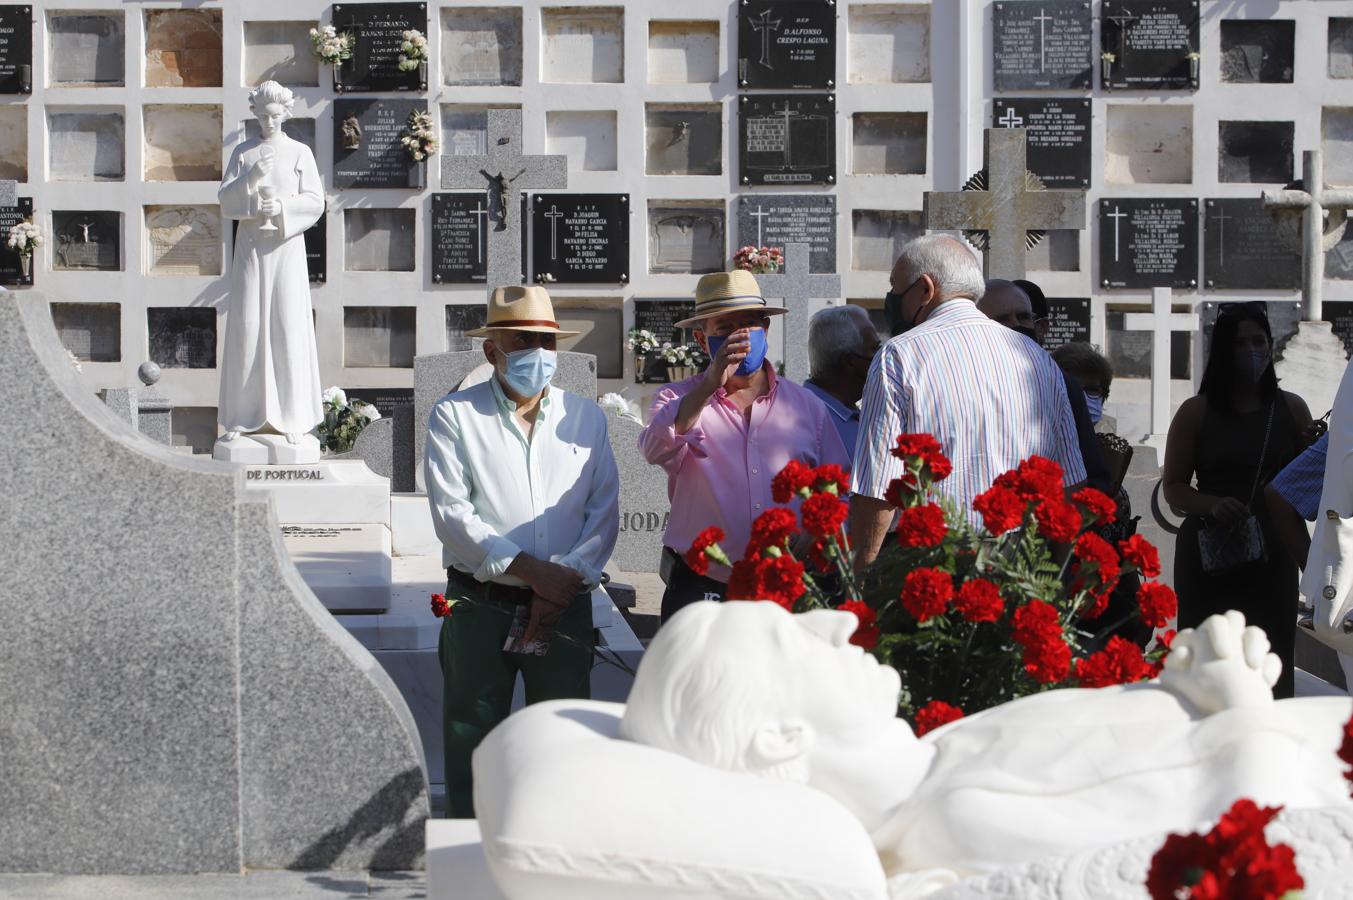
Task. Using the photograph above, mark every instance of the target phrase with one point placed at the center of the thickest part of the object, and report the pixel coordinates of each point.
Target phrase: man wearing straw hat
(525, 499)
(722, 435)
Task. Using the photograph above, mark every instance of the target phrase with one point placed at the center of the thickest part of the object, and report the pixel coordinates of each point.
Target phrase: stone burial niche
(86, 48)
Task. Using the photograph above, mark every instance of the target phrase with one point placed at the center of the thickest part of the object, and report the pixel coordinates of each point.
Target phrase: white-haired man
(990, 397)
(842, 343)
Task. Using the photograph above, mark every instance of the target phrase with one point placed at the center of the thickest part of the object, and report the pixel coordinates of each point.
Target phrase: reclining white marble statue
(848, 800)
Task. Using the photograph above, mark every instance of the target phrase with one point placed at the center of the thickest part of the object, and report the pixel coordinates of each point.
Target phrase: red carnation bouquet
(1233, 861)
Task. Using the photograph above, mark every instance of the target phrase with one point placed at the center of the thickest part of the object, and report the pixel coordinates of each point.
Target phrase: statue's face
(844, 690)
(270, 118)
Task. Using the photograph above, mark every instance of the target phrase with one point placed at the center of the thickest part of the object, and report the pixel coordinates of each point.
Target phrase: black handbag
(1228, 548)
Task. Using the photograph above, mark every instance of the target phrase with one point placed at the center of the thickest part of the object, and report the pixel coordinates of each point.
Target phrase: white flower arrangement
(546, 278)
(641, 340)
(343, 421)
(24, 238)
(414, 51)
(331, 46)
(335, 397)
(688, 355)
(420, 136)
(620, 405)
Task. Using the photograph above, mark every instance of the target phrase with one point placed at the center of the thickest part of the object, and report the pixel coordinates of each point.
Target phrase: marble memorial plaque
(86, 144)
(1283, 318)
(1339, 313)
(183, 47)
(86, 240)
(1242, 248)
(1129, 352)
(86, 48)
(1255, 152)
(481, 46)
(1258, 51)
(581, 238)
(459, 224)
(16, 49)
(683, 52)
(1058, 139)
(182, 141)
(683, 140)
(778, 220)
(378, 30)
(787, 44)
(11, 268)
(1146, 243)
(888, 44)
(460, 318)
(660, 317)
(182, 338)
(582, 44)
(92, 332)
(686, 239)
(1149, 42)
(1068, 322)
(1038, 46)
(368, 148)
(787, 139)
(183, 240)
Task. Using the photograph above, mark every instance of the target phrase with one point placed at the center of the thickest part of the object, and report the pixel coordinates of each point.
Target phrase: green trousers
(478, 678)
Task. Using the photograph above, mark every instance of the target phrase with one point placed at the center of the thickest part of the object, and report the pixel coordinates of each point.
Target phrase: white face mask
(529, 371)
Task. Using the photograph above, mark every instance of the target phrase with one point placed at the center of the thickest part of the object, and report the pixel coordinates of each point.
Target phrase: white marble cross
(796, 286)
(1160, 321)
(1010, 119)
(1317, 236)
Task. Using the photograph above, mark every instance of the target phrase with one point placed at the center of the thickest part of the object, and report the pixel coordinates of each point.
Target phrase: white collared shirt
(495, 494)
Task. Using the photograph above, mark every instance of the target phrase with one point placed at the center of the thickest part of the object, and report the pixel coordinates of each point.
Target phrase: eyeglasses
(1258, 307)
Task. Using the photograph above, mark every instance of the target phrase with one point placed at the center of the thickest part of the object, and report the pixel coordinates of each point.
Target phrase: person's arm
(601, 514)
(660, 443)
(1066, 447)
(1181, 453)
(1288, 525)
(882, 418)
(1301, 415)
(869, 521)
(1096, 472)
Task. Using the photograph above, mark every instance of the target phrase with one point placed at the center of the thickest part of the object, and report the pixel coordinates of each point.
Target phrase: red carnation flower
(939, 465)
(927, 592)
(1100, 507)
(1048, 661)
(1093, 550)
(695, 556)
(1346, 749)
(1035, 621)
(1163, 641)
(1176, 865)
(792, 479)
(1157, 603)
(921, 526)
(1234, 861)
(934, 714)
(1040, 479)
(912, 447)
(829, 476)
(1001, 509)
(1058, 521)
(1120, 662)
(979, 600)
(440, 608)
(782, 580)
(1142, 555)
(1099, 604)
(900, 489)
(772, 528)
(823, 515)
(745, 581)
(867, 632)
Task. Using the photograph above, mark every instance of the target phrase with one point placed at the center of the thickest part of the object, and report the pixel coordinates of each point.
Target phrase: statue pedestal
(1312, 365)
(268, 449)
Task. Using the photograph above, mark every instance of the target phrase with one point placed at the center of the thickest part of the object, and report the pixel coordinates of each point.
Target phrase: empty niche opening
(86, 240)
(481, 45)
(877, 236)
(86, 48)
(465, 127)
(1258, 50)
(686, 237)
(1129, 352)
(281, 52)
(380, 337)
(460, 318)
(1339, 259)
(183, 48)
(182, 338)
(183, 240)
(86, 144)
(586, 137)
(889, 44)
(888, 143)
(1149, 145)
(683, 139)
(378, 240)
(14, 142)
(193, 427)
(182, 142)
(1255, 152)
(92, 332)
(1340, 63)
(683, 52)
(1336, 140)
(298, 129)
(1059, 251)
(583, 45)
(600, 326)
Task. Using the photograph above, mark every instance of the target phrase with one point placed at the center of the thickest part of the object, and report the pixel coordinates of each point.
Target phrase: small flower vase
(423, 74)
(418, 175)
(1106, 69)
(641, 367)
(26, 265)
(1193, 69)
(679, 373)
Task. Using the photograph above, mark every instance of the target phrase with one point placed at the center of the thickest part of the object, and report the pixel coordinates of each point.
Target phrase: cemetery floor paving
(327, 885)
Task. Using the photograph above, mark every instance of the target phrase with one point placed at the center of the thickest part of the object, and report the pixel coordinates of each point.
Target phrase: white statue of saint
(269, 371)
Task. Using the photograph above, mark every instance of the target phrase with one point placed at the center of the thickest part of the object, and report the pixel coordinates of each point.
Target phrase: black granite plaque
(1058, 137)
(787, 44)
(86, 240)
(11, 266)
(660, 317)
(1145, 243)
(316, 239)
(1242, 248)
(1339, 313)
(1068, 322)
(460, 318)
(379, 160)
(778, 220)
(16, 49)
(580, 238)
(1283, 318)
(787, 139)
(459, 238)
(378, 30)
(1041, 45)
(1149, 44)
(1129, 352)
(182, 338)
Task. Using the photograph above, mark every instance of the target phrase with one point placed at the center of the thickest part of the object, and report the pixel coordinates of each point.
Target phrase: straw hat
(720, 293)
(521, 308)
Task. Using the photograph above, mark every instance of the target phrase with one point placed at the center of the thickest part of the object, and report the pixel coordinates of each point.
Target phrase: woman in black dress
(1234, 436)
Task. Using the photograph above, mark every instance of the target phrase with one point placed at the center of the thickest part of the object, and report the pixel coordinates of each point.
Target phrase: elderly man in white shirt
(525, 499)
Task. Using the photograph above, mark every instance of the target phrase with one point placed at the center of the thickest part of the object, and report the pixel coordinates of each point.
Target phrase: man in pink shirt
(722, 435)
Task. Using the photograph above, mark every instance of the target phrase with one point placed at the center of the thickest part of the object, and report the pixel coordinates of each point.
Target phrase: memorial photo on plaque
(1147, 242)
(1149, 45)
(182, 338)
(787, 139)
(368, 144)
(659, 317)
(787, 44)
(459, 224)
(86, 241)
(1242, 248)
(1058, 137)
(580, 238)
(1041, 45)
(16, 49)
(14, 271)
(378, 33)
(1068, 322)
(778, 220)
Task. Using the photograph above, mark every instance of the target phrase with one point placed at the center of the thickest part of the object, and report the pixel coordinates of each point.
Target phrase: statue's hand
(1222, 664)
(260, 170)
(271, 207)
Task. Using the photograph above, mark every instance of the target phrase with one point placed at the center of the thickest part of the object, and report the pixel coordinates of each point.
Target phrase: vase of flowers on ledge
(683, 360)
(24, 238)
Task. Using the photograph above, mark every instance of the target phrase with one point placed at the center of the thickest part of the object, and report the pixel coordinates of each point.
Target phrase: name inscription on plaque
(16, 49)
(11, 268)
(368, 146)
(580, 238)
(1058, 137)
(778, 220)
(787, 139)
(786, 44)
(1037, 46)
(378, 32)
(1149, 44)
(459, 238)
(1145, 243)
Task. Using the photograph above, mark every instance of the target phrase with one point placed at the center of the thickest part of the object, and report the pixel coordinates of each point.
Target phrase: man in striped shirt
(990, 396)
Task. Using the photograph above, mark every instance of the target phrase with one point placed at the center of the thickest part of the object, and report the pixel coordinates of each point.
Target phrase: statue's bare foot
(1222, 664)
(293, 438)
(230, 436)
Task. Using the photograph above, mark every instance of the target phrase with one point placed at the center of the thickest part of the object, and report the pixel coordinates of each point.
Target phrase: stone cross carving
(1160, 321)
(796, 286)
(9, 193)
(508, 172)
(1007, 210)
(1317, 234)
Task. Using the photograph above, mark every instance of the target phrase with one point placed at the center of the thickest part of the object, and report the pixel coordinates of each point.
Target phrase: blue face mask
(1095, 404)
(529, 371)
(756, 351)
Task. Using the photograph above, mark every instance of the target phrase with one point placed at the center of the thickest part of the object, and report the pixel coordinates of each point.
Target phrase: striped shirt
(1302, 481)
(989, 395)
